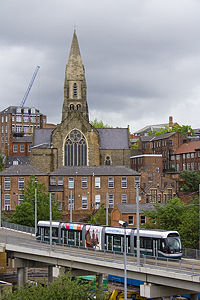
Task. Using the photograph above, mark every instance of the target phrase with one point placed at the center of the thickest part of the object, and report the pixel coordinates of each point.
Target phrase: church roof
(113, 138)
(95, 170)
(42, 138)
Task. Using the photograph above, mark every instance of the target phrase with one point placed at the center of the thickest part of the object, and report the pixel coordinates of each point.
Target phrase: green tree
(184, 129)
(99, 218)
(176, 215)
(99, 124)
(191, 180)
(2, 162)
(63, 288)
(25, 211)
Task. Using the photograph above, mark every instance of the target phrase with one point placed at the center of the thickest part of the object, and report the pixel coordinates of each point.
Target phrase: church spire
(75, 83)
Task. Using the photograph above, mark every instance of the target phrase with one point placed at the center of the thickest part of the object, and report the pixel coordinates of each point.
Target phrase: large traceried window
(75, 149)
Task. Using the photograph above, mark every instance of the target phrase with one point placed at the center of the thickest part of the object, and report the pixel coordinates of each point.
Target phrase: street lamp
(137, 186)
(124, 224)
(50, 219)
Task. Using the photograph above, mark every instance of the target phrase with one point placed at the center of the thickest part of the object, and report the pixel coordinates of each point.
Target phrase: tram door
(155, 248)
(77, 238)
(109, 242)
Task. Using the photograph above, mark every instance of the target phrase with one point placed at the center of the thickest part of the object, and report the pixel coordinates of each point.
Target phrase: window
(188, 166)
(75, 90)
(18, 118)
(177, 167)
(71, 107)
(75, 149)
(192, 155)
(13, 118)
(15, 148)
(71, 201)
(159, 198)
(6, 129)
(172, 157)
(21, 148)
(7, 183)
(52, 180)
(6, 119)
(1, 129)
(33, 119)
(26, 119)
(143, 219)
(107, 161)
(131, 220)
(60, 180)
(124, 182)
(97, 182)
(13, 128)
(20, 198)
(84, 183)
(2, 119)
(184, 168)
(29, 148)
(188, 155)
(59, 205)
(169, 194)
(18, 110)
(18, 128)
(84, 201)
(192, 166)
(110, 182)
(32, 110)
(124, 198)
(71, 182)
(78, 107)
(15, 162)
(97, 201)
(198, 153)
(111, 200)
(184, 156)
(153, 196)
(170, 143)
(150, 177)
(20, 183)
(7, 201)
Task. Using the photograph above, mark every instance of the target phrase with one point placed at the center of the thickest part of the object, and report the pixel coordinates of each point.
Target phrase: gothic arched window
(75, 90)
(78, 107)
(107, 161)
(75, 149)
(71, 107)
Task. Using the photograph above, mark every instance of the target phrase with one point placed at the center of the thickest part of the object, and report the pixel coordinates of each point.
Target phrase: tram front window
(174, 244)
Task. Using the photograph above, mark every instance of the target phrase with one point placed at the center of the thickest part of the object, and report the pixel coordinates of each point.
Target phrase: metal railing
(191, 253)
(18, 227)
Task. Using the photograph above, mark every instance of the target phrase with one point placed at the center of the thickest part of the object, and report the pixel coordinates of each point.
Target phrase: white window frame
(124, 182)
(70, 182)
(84, 201)
(84, 182)
(97, 182)
(20, 183)
(110, 182)
(20, 198)
(22, 148)
(111, 200)
(7, 183)
(15, 148)
(6, 201)
(97, 201)
(60, 180)
(123, 198)
(70, 200)
(52, 180)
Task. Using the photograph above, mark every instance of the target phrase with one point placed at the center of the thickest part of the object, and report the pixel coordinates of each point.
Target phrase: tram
(157, 243)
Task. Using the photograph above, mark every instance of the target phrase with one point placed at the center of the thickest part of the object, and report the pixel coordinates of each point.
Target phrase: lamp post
(35, 211)
(137, 186)
(124, 224)
(50, 219)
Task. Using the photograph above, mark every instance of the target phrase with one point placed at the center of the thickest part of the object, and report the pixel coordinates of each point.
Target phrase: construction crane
(29, 87)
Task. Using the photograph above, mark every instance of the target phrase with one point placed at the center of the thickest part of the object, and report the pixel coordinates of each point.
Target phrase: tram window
(54, 232)
(148, 243)
(117, 240)
(47, 231)
(142, 242)
(71, 235)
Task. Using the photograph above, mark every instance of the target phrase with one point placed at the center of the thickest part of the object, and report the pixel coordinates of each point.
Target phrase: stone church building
(75, 142)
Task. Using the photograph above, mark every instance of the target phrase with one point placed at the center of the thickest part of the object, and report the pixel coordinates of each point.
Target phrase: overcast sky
(141, 57)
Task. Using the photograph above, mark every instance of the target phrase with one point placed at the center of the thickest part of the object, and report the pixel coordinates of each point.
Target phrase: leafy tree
(25, 211)
(99, 124)
(63, 288)
(2, 162)
(99, 217)
(191, 180)
(177, 215)
(184, 129)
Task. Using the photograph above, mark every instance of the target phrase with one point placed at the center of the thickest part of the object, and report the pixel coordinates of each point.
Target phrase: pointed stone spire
(75, 83)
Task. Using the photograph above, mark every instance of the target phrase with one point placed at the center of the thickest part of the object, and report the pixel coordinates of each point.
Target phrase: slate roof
(151, 128)
(22, 160)
(162, 136)
(113, 138)
(132, 208)
(94, 170)
(22, 170)
(12, 110)
(42, 138)
(188, 147)
(23, 139)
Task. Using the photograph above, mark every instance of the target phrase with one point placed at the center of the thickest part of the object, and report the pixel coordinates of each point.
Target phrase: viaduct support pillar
(21, 276)
(194, 297)
(50, 274)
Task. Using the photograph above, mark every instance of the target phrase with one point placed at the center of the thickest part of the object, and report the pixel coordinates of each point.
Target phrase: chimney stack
(170, 121)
